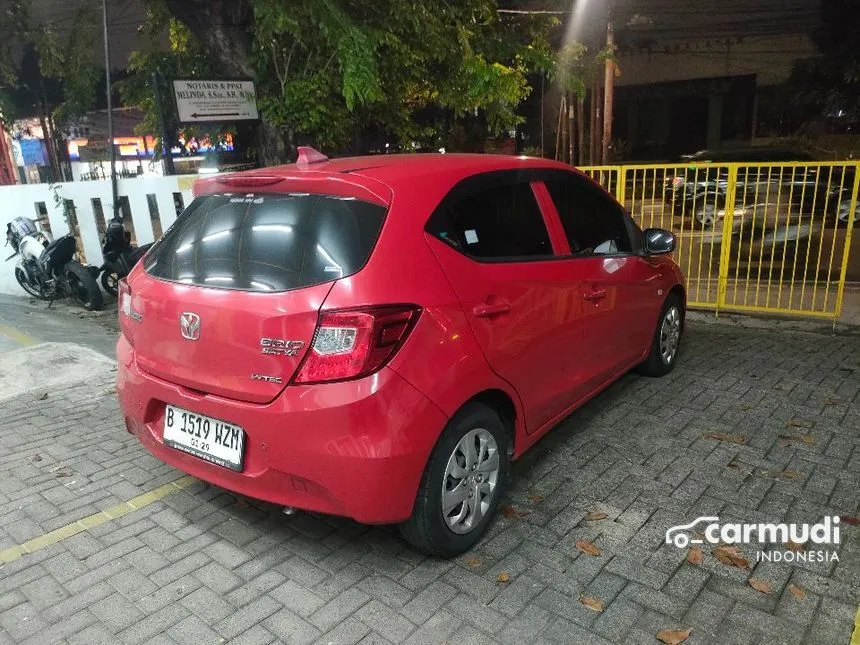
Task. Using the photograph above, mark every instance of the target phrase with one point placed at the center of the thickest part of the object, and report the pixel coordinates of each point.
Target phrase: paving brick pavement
(204, 566)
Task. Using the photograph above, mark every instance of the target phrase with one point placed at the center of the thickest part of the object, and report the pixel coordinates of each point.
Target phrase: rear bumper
(356, 449)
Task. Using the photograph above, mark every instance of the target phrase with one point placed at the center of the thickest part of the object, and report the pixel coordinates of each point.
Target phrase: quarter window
(494, 223)
(593, 223)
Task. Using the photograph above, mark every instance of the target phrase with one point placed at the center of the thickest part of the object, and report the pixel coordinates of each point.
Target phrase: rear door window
(498, 221)
(267, 242)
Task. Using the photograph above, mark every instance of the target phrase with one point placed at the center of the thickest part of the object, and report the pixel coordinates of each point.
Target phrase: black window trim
(478, 182)
(636, 247)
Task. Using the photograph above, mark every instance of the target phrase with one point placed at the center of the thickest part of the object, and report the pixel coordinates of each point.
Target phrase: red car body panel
(358, 447)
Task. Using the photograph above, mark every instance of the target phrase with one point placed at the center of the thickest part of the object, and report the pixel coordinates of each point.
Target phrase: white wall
(22, 200)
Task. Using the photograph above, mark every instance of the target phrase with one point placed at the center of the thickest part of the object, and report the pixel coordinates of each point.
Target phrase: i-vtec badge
(267, 379)
(280, 346)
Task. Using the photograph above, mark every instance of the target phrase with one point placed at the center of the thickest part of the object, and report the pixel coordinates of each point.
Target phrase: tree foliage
(64, 62)
(328, 69)
(830, 83)
(184, 57)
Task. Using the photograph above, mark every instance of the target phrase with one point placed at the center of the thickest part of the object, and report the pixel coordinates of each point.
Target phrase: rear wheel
(667, 339)
(83, 286)
(462, 485)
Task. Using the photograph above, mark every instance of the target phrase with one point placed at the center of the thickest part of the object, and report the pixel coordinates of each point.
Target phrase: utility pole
(608, 89)
(113, 186)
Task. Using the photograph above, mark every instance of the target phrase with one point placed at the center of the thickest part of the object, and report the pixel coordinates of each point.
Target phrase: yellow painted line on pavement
(85, 524)
(855, 638)
(19, 337)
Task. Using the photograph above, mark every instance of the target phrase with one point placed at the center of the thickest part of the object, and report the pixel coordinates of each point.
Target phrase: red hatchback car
(379, 337)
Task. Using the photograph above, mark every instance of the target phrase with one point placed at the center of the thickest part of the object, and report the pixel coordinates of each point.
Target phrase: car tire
(667, 336)
(446, 534)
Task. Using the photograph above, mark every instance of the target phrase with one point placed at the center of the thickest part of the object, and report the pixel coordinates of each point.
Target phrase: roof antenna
(308, 156)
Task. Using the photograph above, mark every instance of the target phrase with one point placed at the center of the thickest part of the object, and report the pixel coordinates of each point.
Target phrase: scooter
(119, 255)
(47, 269)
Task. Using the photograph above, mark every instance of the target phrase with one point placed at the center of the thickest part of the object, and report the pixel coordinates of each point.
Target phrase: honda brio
(379, 337)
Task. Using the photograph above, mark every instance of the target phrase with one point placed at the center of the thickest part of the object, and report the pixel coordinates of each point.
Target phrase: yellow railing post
(726, 238)
(621, 186)
(848, 230)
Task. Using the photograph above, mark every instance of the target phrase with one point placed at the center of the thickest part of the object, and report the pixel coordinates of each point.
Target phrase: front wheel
(843, 212)
(83, 286)
(462, 485)
(667, 339)
(32, 289)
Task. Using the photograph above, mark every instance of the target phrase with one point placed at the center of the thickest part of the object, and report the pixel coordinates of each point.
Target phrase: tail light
(127, 314)
(352, 343)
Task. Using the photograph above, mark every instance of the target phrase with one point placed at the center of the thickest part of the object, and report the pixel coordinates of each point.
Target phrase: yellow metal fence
(750, 237)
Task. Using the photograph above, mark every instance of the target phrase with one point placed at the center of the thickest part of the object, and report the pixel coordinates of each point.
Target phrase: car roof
(749, 154)
(389, 169)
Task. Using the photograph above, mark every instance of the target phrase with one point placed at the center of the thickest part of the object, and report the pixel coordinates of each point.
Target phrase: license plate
(210, 439)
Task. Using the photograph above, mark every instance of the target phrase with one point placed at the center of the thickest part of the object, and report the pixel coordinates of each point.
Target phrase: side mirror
(658, 241)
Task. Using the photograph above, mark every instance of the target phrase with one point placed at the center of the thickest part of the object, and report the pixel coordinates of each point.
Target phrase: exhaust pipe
(290, 510)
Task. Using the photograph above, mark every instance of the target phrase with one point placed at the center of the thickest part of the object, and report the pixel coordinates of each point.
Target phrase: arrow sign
(202, 115)
(215, 100)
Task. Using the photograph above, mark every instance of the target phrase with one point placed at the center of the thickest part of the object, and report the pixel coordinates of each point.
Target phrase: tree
(48, 73)
(830, 83)
(326, 70)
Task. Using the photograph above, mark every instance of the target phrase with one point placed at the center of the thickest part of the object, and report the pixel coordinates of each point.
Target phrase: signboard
(198, 101)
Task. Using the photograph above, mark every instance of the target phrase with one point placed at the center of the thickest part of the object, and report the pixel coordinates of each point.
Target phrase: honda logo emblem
(189, 325)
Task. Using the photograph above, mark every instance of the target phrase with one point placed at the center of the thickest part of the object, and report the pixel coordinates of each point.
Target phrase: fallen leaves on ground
(832, 401)
(591, 602)
(760, 585)
(594, 516)
(721, 436)
(794, 546)
(674, 636)
(732, 556)
(535, 499)
(695, 556)
(588, 548)
(849, 519)
(36, 457)
(797, 592)
(510, 511)
(788, 439)
(798, 423)
(747, 406)
(503, 576)
(43, 396)
(472, 562)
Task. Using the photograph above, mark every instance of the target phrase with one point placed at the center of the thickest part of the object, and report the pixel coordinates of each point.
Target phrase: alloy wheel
(845, 209)
(670, 334)
(706, 215)
(470, 481)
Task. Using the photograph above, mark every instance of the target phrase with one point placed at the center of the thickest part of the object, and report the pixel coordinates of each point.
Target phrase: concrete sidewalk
(753, 425)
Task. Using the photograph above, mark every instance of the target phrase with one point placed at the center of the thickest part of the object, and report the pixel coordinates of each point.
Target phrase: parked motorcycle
(47, 269)
(119, 255)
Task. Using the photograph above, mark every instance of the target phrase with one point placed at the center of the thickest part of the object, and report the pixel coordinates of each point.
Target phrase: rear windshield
(267, 242)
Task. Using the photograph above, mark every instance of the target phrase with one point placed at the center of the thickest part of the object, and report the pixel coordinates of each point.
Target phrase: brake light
(353, 343)
(127, 314)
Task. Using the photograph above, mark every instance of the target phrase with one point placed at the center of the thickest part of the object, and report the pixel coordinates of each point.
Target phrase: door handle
(594, 296)
(488, 311)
